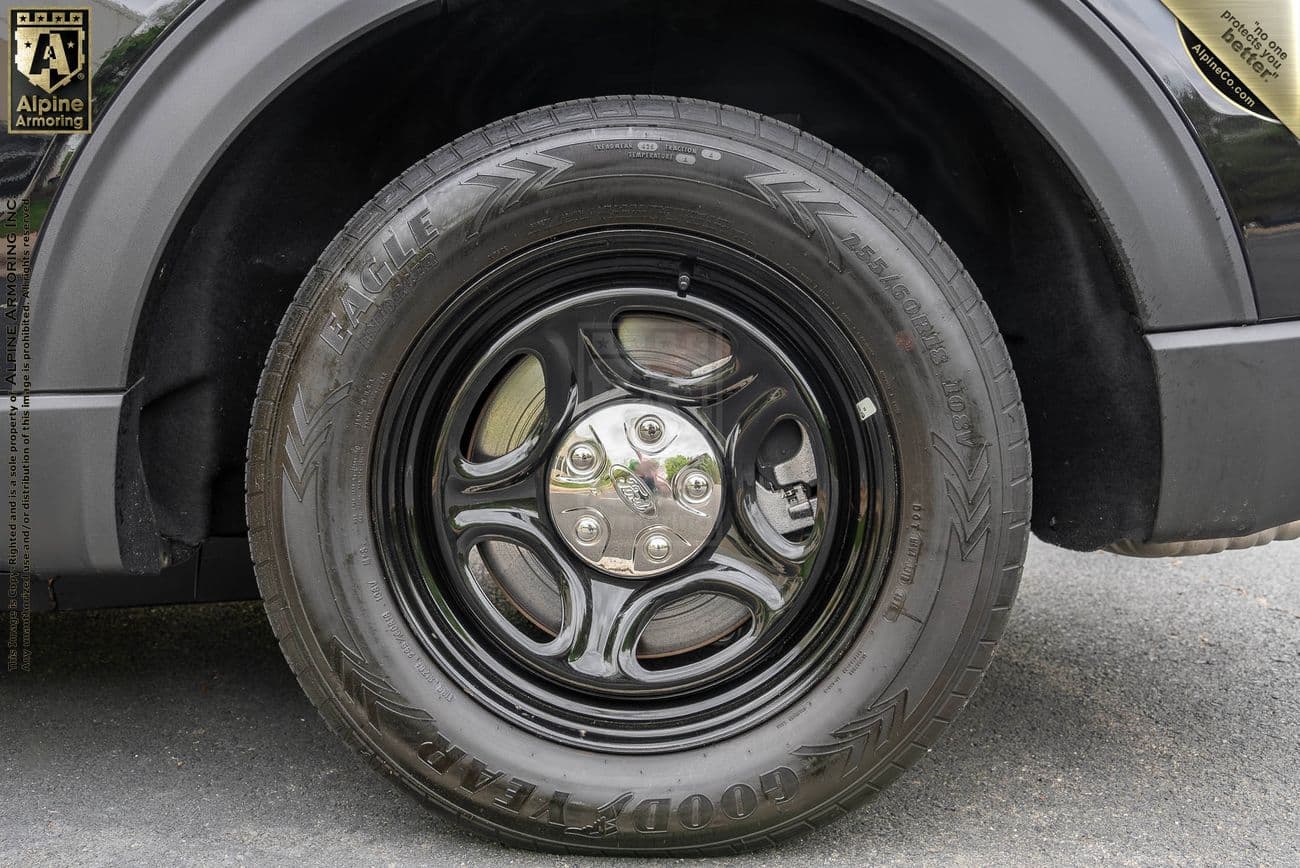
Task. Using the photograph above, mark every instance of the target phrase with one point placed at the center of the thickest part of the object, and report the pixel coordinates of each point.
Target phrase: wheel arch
(1156, 252)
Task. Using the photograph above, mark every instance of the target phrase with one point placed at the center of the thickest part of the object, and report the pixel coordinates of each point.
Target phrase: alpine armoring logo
(49, 77)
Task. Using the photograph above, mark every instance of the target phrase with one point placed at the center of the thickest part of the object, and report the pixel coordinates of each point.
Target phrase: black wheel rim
(585, 677)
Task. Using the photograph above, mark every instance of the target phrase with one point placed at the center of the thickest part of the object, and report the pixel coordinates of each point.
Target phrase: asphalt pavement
(1138, 712)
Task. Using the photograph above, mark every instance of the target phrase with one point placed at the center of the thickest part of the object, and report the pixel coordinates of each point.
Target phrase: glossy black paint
(1256, 160)
(827, 591)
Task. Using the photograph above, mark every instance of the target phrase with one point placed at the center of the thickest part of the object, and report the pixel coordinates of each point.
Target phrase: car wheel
(639, 474)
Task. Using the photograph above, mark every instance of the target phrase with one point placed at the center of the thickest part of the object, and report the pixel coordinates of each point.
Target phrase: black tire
(949, 405)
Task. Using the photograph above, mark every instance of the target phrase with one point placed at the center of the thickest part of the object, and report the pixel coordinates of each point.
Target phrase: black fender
(225, 61)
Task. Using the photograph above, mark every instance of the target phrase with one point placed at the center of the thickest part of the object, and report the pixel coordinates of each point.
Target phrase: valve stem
(685, 276)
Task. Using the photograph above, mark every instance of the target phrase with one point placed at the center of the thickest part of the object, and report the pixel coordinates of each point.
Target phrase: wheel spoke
(732, 576)
(780, 565)
(615, 614)
(568, 344)
(558, 349)
(517, 522)
(558, 355)
(604, 629)
(736, 578)
(470, 500)
(743, 419)
(526, 528)
(506, 482)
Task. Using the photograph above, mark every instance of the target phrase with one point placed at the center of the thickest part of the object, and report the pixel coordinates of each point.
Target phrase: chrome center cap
(635, 489)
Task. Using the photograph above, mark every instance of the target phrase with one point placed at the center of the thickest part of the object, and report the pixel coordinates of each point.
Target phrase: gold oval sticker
(1245, 49)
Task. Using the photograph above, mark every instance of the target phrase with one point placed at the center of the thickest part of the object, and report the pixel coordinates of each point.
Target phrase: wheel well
(944, 138)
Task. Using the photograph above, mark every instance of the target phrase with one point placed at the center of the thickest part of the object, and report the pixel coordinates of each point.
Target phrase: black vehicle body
(1145, 228)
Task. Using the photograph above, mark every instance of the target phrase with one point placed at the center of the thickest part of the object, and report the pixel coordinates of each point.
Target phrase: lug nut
(696, 486)
(657, 547)
(650, 429)
(587, 529)
(582, 457)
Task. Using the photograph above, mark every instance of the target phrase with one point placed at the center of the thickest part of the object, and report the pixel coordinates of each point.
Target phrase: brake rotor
(513, 410)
